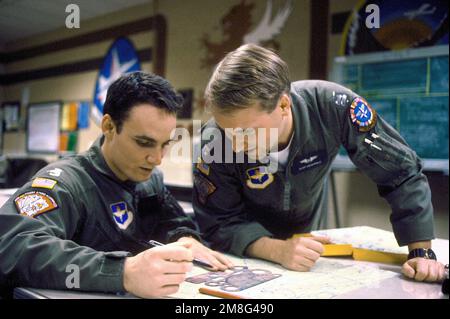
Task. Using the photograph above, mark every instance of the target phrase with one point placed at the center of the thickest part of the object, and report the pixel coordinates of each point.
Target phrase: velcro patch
(44, 183)
(33, 204)
(362, 115)
(259, 177)
(340, 99)
(203, 167)
(204, 188)
(122, 216)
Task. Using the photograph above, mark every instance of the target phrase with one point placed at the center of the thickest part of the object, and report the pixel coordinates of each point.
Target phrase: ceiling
(24, 18)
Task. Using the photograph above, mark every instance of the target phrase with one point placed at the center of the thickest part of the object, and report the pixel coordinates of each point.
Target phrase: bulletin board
(410, 90)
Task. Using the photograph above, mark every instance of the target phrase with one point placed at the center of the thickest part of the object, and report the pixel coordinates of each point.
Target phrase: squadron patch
(362, 115)
(202, 166)
(122, 216)
(204, 188)
(259, 177)
(44, 183)
(33, 204)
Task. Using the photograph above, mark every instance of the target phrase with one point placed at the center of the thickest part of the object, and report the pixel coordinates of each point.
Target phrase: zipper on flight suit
(287, 186)
(287, 195)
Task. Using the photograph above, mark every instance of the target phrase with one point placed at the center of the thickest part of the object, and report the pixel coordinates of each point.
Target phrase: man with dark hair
(253, 207)
(97, 211)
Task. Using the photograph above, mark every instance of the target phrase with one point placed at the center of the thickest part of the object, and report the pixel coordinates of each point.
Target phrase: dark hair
(135, 88)
(245, 76)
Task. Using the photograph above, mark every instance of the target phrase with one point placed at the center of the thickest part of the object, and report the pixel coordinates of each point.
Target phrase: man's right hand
(299, 254)
(158, 271)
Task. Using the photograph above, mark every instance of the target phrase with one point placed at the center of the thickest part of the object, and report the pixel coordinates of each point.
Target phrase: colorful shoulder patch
(259, 177)
(33, 204)
(363, 116)
(204, 188)
(44, 183)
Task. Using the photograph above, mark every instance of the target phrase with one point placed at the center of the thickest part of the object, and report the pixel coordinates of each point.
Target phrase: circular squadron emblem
(362, 115)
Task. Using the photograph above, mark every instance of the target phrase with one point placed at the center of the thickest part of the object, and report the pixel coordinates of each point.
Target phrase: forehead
(250, 117)
(145, 119)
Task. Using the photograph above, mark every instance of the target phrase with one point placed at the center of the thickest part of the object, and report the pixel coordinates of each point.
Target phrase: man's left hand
(422, 269)
(203, 253)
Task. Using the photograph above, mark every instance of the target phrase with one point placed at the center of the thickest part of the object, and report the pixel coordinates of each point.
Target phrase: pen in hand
(196, 261)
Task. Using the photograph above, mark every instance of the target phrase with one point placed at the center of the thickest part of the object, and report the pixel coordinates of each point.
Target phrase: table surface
(395, 287)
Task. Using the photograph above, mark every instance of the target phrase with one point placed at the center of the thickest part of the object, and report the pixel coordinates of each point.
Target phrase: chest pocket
(148, 210)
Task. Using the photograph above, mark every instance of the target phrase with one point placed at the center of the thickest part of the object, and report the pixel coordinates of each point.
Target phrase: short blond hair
(248, 75)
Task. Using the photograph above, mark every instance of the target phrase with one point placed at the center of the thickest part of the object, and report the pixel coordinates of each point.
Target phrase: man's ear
(108, 126)
(285, 104)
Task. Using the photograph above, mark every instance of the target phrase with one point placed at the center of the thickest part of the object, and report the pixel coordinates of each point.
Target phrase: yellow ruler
(335, 250)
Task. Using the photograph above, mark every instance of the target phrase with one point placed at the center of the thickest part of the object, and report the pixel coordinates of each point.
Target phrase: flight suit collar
(98, 161)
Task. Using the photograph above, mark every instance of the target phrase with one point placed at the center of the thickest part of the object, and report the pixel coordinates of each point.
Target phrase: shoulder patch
(340, 99)
(202, 166)
(204, 188)
(44, 183)
(362, 115)
(33, 204)
(122, 216)
(55, 172)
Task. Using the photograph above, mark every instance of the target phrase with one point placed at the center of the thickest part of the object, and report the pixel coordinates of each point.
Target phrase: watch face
(431, 254)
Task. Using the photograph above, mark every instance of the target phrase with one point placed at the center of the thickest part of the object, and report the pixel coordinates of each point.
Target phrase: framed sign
(11, 116)
(43, 127)
(1, 132)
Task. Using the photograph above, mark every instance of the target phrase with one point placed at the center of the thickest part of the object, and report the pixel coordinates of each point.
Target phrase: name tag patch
(303, 163)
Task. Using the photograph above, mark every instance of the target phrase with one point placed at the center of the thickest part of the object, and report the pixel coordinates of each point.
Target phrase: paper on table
(327, 279)
(369, 244)
(364, 237)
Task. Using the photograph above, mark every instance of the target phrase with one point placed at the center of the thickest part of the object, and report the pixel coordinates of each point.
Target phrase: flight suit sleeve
(173, 223)
(36, 227)
(379, 151)
(220, 211)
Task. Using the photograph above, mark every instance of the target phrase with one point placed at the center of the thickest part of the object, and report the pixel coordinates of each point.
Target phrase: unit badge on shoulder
(363, 116)
(32, 204)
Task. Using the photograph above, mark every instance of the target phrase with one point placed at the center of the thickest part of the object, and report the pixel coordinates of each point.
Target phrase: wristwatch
(426, 253)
